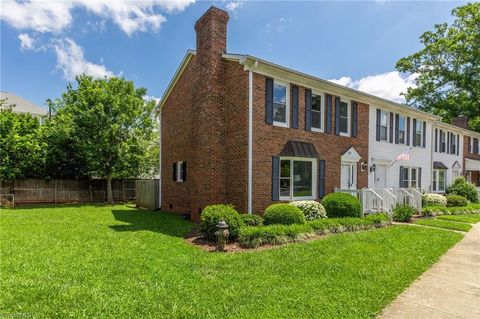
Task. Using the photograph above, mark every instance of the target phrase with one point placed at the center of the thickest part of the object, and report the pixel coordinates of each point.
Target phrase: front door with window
(348, 176)
(380, 176)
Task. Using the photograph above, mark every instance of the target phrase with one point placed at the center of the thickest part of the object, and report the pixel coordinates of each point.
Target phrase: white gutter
(250, 141)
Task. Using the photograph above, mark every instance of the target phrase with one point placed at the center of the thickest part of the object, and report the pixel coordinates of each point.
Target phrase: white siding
(386, 152)
(448, 159)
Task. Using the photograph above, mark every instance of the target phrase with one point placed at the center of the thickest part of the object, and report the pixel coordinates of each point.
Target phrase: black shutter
(308, 110)
(469, 144)
(328, 117)
(184, 171)
(458, 144)
(414, 131)
(321, 178)
(475, 145)
(269, 101)
(379, 115)
(337, 115)
(397, 123)
(294, 106)
(419, 177)
(275, 178)
(448, 142)
(436, 140)
(391, 128)
(174, 173)
(400, 177)
(354, 119)
(408, 130)
(424, 137)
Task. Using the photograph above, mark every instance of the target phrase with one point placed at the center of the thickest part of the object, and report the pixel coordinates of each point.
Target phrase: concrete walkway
(450, 289)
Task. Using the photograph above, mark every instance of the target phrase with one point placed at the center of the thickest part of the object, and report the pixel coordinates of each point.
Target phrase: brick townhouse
(237, 129)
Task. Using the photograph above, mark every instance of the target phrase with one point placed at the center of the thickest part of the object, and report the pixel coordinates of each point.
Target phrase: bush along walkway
(450, 289)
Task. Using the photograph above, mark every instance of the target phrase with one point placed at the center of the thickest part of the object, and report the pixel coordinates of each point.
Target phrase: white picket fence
(376, 200)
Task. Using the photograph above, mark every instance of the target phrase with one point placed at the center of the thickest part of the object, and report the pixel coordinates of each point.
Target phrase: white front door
(380, 176)
(348, 176)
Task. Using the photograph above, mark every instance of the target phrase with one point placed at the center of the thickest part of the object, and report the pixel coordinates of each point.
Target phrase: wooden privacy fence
(29, 191)
(148, 194)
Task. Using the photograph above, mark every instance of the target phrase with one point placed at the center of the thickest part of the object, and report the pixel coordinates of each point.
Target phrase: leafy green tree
(21, 149)
(113, 127)
(448, 68)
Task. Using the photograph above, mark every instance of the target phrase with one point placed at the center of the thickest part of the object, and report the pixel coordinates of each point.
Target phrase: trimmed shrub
(341, 205)
(212, 214)
(273, 234)
(456, 201)
(463, 188)
(403, 213)
(439, 210)
(251, 220)
(435, 200)
(311, 209)
(379, 218)
(283, 214)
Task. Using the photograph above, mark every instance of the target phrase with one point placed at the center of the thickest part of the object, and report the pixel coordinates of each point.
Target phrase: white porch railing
(417, 197)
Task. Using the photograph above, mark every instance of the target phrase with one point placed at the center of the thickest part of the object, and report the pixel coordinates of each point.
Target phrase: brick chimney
(211, 31)
(460, 121)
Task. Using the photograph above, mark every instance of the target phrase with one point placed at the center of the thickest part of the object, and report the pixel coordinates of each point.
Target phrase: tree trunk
(109, 189)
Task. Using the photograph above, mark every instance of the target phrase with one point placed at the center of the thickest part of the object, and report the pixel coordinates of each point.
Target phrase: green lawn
(467, 218)
(446, 224)
(118, 262)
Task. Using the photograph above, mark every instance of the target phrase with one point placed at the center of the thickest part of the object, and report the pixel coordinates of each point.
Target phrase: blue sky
(44, 44)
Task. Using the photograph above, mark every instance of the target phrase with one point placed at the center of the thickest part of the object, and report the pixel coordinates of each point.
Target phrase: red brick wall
(466, 154)
(269, 141)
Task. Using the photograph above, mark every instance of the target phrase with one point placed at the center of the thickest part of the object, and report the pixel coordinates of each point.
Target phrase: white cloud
(71, 61)
(55, 16)
(233, 6)
(387, 85)
(26, 42)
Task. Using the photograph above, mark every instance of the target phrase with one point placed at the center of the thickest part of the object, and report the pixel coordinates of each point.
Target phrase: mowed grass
(120, 262)
(467, 218)
(446, 224)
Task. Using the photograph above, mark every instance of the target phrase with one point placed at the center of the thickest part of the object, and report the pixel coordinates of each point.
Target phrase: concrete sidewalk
(450, 289)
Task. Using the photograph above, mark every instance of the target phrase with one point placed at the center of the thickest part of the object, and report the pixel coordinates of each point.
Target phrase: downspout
(160, 160)
(250, 141)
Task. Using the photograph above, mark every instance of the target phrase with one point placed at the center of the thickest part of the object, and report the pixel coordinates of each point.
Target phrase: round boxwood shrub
(403, 213)
(341, 205)
(284, 214)
(311, 209)
(251, 220)
(435, 200)
(463, 188)
(212, 214)
(456, 201)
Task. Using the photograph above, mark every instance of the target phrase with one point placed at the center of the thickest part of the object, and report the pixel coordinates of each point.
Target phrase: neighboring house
(237, 129)
(471, 147)
(22, 105)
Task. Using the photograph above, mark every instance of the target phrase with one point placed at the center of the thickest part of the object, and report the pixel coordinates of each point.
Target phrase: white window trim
(388, 124)
(314, 178)
(322, 111)
(400, 117)
(421, 134)
(287, 103)
(444, 136)
(436, 180)
(409, 178)
(180, 172)
(349, 116)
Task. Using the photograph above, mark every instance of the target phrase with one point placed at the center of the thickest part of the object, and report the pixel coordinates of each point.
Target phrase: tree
(21, 149)
(448, 68)
(112, 124)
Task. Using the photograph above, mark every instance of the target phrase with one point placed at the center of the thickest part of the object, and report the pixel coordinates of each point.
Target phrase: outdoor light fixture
(373, 168)
(363, 166)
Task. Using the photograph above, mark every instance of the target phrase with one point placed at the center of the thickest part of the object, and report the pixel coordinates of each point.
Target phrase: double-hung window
(443, 143)
(297, 178)
(439, 180)
(317, 112)
(413, 177)
(344, 114)
(405, 177)
(454, 144)
(401, 130)
(281, 104)
(418, 133)
(179, 171)
(383, 126)
(409, 177)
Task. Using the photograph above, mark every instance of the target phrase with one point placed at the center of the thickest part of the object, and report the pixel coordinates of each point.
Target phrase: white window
(179, 171)
(439, 180)
(298, 178)
(443, 142)
(409, 177)
(413, 177)
(405, 177)
(281, 104)
(418, 133)
(317, 112)
(401, 130)
(383, 126)
(454, 144)
(344, 115)
(455, 173)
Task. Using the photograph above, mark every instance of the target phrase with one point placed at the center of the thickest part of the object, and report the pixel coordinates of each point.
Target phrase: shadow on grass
(69, 205)
(161, 222)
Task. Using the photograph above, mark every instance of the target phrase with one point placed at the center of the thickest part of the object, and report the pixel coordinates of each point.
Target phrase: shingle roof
(22, 105)
(439, 165)
(299, 149)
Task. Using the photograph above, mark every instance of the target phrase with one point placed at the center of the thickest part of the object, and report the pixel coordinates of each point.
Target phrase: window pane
(343, 109)
(383, 133)
(316, 119)
(441, 180)
(302, 179)
(343, 125)
(401, 137)
(279, 103)
(285, 168)
(418, 140)
(316, 102)
(279, 112)
(384, 119)
(285, 187)
(434, 180)
(279, 93)
(401, 123)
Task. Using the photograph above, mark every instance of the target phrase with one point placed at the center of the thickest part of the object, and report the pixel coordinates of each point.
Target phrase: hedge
(439, 210)
(341, 205)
